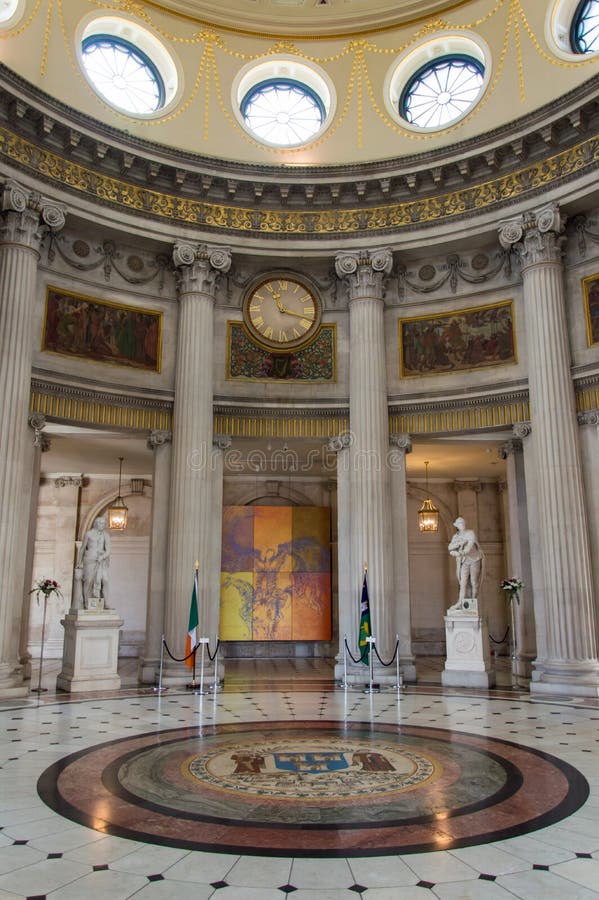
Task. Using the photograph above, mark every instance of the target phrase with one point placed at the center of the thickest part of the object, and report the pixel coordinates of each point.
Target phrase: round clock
(281, 313)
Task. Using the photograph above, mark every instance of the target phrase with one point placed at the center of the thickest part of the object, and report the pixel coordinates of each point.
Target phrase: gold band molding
(128, 197)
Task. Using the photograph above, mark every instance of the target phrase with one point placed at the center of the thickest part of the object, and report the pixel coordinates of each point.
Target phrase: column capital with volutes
(589, 417)
(198, 267)
(340, 442)
(364, 272)
(159, 438)
(25, 215)
(401, 442)
(510, 448)
(536, 236)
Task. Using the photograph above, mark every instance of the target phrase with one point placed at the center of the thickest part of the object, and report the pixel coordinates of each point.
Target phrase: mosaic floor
(264, 791)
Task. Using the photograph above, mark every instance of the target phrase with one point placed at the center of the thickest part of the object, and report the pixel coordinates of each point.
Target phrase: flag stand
(371, 687)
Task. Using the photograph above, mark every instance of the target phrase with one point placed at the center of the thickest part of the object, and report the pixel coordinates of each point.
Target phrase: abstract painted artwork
(457, 341)
(275, 574)
(246, 361)
(100, 331)
(590, 288)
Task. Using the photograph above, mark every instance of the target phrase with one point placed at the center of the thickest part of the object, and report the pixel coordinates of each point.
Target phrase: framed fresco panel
(457, 341)
(101, 331)
(590, 288)
(284, 592)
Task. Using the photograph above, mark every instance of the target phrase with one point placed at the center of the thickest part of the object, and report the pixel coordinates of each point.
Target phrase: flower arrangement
(47, 587)
(512, 587)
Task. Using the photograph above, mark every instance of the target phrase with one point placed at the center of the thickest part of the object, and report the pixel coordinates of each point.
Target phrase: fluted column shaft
(23, 219)
(571, 662)
(160, 443)
(364, 273)
(346, 585)
(190, 518)
(401, 621)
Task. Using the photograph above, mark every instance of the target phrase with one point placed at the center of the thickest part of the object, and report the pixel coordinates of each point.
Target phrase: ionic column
(41, 443)
(348, 591)
(518, 555)
(401, 445)
(160, 443)
(571, 665)
(221, 444)
(589, 439)
(24, 217)
(190, 517)
(364, 273)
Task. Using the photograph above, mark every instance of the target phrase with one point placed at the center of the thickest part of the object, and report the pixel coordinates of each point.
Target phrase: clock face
(281, 313)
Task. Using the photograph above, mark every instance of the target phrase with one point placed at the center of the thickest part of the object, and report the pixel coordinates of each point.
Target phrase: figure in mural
(469, 559)
(94, 559)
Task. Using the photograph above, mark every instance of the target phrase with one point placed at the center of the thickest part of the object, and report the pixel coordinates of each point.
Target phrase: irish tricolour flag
(192, 628)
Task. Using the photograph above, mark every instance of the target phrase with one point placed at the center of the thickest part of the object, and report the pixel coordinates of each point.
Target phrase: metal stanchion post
(215, 686)
(371, 688)
(399, 684)
(203, 642)
(161, 664)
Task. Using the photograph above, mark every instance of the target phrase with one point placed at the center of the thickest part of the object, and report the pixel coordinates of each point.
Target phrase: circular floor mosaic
(313, 789)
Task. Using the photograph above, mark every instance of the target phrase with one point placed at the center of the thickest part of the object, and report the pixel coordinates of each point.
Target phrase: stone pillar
(149, 663)
(24, 217)
(571, 666)
(190, 507)
(211, 627)
(348, 592)
(41, 443)
(401, 445)
(364, 273)
(518, 557)
(467, 491)
(589, 439)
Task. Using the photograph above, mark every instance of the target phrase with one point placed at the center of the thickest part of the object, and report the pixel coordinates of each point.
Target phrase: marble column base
(359, 676)
(148, 668)
(11, 682)
(468, 662)
(567, 679)
(91, 651)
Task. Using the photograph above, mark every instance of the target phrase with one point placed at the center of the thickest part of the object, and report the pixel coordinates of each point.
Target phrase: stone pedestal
(468, 662)
(91, 649)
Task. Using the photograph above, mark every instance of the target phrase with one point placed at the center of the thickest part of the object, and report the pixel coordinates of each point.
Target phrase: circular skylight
(441, 91)
(283, 112)
(122, 74)
(584, 35)
(8, 12)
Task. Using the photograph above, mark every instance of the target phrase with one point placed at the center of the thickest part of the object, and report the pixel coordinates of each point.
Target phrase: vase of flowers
(512, 588)
(44, 587)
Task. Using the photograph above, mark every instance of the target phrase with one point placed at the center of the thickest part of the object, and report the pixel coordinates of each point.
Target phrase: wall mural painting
(590, 288)
(457, 341)
(101, 331)
(276, 574)
(247, 361)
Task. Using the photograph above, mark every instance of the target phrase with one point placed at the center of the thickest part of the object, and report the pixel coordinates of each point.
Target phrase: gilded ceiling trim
(225, 218)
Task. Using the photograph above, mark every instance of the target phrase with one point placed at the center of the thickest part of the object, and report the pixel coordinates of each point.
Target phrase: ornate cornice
(107, 166)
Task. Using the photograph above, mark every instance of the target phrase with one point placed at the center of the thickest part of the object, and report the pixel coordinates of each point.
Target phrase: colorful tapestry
(456, 341)
(102, 331)
(275, 574)
(591, 300)
(249, 362)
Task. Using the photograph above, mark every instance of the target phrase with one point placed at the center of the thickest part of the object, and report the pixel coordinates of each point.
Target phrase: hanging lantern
(117, 512)
(428, 514)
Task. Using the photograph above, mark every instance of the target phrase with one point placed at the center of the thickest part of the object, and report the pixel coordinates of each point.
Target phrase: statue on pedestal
(469, 559)
(93, 560)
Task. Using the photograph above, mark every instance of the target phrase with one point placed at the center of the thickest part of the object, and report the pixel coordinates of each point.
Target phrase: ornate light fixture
(428, 514)
(117, 512)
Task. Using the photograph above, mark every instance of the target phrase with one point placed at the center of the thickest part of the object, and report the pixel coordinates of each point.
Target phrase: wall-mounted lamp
(428, 514)
(117, 512)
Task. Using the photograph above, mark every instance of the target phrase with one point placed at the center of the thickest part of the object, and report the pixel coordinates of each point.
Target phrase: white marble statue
(469, 559)
(94, 559)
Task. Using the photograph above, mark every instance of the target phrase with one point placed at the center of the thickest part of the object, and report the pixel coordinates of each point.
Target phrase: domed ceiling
(360, 51)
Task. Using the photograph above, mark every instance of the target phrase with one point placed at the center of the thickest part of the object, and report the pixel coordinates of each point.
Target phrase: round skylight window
(584, 35)
(283, 112)
(441, 91)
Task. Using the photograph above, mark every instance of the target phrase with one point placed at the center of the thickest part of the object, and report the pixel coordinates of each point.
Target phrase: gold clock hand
(291, 312)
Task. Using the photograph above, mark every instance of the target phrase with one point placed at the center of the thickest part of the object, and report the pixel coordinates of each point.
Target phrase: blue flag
(365, 629)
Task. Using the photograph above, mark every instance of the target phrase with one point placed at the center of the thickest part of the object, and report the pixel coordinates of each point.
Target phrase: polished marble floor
(45, 854)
